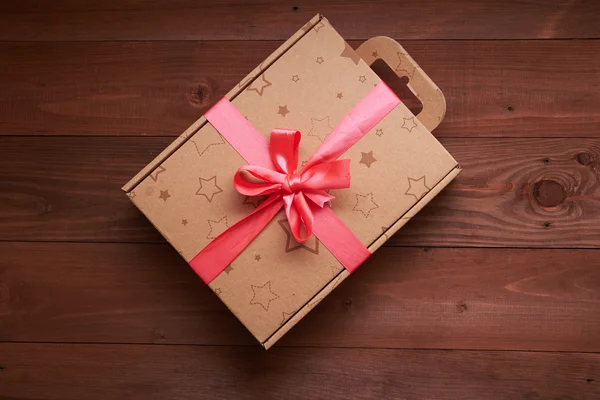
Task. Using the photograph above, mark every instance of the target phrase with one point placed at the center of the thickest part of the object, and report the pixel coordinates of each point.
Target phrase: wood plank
(493, 88)
(275, 19)
(512, 192)
(482, 299)
(36, 371)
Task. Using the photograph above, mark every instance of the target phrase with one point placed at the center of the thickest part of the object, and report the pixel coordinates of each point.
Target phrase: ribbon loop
(294, 188)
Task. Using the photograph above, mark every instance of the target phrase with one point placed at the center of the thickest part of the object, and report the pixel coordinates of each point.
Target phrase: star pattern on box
(320, 25)
(283, 110)
(349, 52)
(295, 78)
(311, 245)
(285, 316)
(320, 127)
(401, 69)
(340, 95)
(417, 187)
(205, 141)
(257, 257)
(215, 228)
(184, 222)
(334, 270)
(228, 269)
(254, 201)
(362, 79)
(259, 85)
(208, 188)
(320, 60)
(263, 295)
(409, 124)
(407, 72)
(218, 291)
(159, 170)
(131, 195)
(365, 204)
(375, 54)
(379, 132)
(367, 158)
(164, 195)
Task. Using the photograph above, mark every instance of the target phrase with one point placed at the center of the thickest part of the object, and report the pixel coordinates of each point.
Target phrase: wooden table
(491, 292)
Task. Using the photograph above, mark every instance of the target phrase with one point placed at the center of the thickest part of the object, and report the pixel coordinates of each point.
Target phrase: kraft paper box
(309, 84)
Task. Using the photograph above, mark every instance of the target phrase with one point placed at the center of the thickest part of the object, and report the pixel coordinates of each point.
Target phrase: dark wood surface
(491, 292)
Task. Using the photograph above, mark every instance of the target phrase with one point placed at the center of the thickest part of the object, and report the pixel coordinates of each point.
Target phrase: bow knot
(291, 183)
(299, 191)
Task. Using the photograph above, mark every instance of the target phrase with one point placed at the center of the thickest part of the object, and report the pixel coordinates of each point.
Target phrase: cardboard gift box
(310, 84)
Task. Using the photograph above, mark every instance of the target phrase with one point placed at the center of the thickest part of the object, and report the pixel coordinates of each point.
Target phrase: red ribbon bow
(291, 188)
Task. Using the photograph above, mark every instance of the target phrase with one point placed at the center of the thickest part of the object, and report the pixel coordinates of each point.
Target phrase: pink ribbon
(302, 194)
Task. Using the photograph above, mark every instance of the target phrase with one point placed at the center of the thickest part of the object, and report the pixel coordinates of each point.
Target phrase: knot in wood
(548, 193)
(583, 158)
(200, 95)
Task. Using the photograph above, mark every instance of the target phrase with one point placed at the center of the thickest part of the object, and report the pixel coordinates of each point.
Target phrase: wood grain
(512, 192)
(274, 19)
(493, 88)
(35, 371)
(484, 299)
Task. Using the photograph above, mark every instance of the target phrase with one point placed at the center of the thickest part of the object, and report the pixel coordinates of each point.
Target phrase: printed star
(164, 194)
(295, 78)
(131, 194)
(334, 270)
(362, 79)
(367, 158)
(375, 54)
(409, 124)
(205, 141)
(157, 171)
(184, 222)
(283, 110)
(228, 269)
(259, 85)
(218, 291)
(320, 128)
(312, 244)
(320, 60)
(408, 73)
(263, 296)
(319, 26)
(417, 187)
(340, 95)
(216, 227)
(383, 229)
(254, 201)
(365, 204)
(350, 53)
(379, 132)
(399, 68)
(285, 316)
(257, 257)
(208, 188)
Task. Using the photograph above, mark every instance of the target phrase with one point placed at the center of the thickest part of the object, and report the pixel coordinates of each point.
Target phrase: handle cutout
(399, 84)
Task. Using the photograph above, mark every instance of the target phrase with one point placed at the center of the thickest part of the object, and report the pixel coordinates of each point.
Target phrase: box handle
(390, 51)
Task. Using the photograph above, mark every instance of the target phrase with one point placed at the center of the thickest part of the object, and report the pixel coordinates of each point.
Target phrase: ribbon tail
(221, 252)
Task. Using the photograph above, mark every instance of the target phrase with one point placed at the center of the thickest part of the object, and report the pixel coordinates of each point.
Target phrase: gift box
(306, 167)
